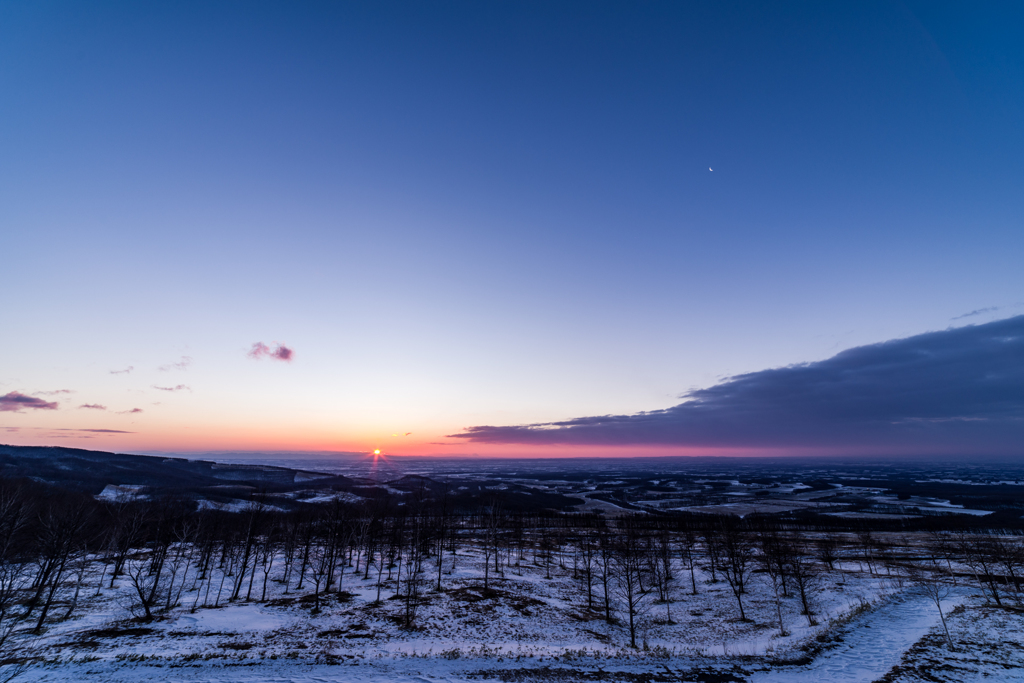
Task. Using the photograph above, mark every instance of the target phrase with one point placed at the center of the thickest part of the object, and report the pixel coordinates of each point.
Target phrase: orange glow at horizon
(180, 437)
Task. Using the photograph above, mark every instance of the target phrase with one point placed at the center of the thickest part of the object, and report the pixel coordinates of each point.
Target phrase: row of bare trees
(57, 548)
(629, 566)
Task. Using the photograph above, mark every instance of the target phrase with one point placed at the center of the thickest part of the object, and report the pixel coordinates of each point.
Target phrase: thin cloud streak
(93, 406)
(126, 371)
(183, 364)
(946, 391)
(977, 311)
(179, 387)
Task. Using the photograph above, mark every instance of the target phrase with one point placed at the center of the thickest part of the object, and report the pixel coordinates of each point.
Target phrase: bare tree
(79, 566)
(631, 566)
(661, 570)
(185, 531)
(687, 543)
(254, 513)
(606, 570)
(931, 583)
(128, 528)
(868, 547)
(14, 578)
(587, 551)
(771, 559)
(61, 527)
(980, 554)
(442, 521)
(1008, 555)
(413, 567)
(712, 548)
(827, 548)
(14, 561)
(143, 573)
(319, 566)
(289, 549)
(737, 559)
(806, 576)
(493, 522)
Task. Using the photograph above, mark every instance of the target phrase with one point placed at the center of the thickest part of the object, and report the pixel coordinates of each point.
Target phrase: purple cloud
(93, 406)
(180, 387)
(958, 390)
(282, 353)
(129, 412)
(55, 392)
(258, 350)
(126, 371)
(279, 352)
(15, 401)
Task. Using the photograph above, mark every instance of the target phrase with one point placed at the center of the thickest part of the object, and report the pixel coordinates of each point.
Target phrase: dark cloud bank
(960, 390)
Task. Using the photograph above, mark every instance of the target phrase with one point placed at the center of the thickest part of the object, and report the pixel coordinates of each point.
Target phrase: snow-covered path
(871, 645)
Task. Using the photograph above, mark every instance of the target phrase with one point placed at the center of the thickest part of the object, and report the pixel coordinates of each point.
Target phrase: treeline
(57, 548)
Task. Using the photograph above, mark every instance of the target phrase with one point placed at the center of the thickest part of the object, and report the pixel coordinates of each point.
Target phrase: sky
(513, 228)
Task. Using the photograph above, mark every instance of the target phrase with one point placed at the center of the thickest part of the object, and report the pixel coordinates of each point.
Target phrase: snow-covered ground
(528, 627)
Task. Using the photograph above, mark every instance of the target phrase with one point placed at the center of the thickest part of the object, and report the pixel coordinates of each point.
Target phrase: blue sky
(461, 214)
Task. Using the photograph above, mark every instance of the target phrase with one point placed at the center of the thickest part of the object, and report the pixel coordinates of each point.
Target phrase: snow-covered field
(525, 626)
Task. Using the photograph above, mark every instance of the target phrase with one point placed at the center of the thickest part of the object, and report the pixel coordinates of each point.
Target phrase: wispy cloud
(93, 406)
(180, 365)
(958, 390)
(15, 402)
(279, 352)
(258, 350)
(179, 387)
(129, 412)
(92, 431)
(977, 311)
(126, 371)
(55, 392)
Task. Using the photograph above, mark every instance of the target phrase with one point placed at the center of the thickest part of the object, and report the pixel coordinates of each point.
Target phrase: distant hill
(229, 486)
(99, 473)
